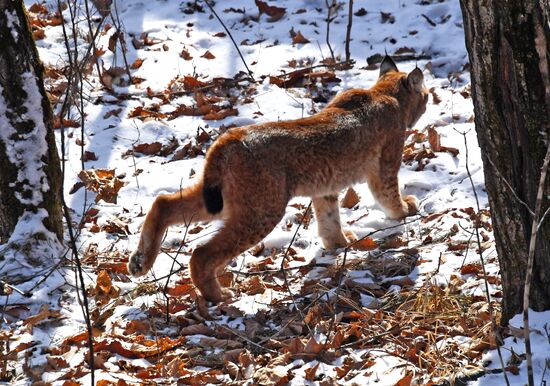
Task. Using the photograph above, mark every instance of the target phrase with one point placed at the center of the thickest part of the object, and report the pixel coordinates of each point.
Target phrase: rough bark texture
(18, 55)
(508, 44)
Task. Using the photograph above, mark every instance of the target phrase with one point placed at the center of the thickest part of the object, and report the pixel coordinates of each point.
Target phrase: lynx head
(409, 89)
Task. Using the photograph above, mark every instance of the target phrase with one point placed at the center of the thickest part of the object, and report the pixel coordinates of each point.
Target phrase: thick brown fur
(252, 172)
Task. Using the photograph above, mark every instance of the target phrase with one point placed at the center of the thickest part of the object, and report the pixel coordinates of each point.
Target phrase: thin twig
(165, 289)
(348, 31)
(327, 37)
(122, 41)
(482, 260)
(530, 263)
(231, 37)
(336, 296)
(285, 259)
(89, 20)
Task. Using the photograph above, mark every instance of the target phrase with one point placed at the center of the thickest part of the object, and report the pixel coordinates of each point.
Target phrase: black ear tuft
(387, 65)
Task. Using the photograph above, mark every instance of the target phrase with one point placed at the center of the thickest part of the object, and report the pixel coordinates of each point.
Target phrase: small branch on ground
(282, 269)
(530, 263)
(495, 331)
(348, 31)
(232, 39)
(329, 20)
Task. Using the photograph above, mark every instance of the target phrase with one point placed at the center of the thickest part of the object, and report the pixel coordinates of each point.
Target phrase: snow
(27, 149)
(441, 185)
(12, 24)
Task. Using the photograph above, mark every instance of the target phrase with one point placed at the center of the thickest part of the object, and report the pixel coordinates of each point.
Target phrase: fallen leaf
(44, 313)
(405, 381)
(350, 199)
(434, 139)
(148, 148)
(310, 372)
(221, 114)
(102, 182)
(298, 38)
(208, 55)
(137, 64)
(365, 244)
(186, 55)
(276, 13)
(89, 156)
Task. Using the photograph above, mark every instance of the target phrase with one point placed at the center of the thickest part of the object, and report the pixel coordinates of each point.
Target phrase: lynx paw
(136, 264)
(218, 295)
(412, 204)
(350, 236)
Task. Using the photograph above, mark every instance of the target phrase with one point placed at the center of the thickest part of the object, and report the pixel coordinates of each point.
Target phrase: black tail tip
(213, 199)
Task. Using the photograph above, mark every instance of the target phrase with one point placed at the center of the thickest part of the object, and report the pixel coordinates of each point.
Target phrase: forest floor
(407, 305)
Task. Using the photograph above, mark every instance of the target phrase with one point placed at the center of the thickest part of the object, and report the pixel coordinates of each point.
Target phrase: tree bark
(508, 42)
(30, 174)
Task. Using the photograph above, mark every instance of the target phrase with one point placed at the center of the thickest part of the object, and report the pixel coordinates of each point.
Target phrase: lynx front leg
(328, 221)
(385, 190)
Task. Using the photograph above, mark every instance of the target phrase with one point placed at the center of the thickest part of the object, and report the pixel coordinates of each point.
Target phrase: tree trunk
(30, 174)
(508, 43)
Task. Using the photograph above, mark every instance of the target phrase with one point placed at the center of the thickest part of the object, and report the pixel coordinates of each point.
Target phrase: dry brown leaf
(220, 343)
(394, 241)
(313, 347)
(38, 8)
(232, 369)
(280, 360)
(208, 55)
(102, 182)
(405, 381)
(310, 372)
(148, 148)
(196, 329)
(181, 289)
(276, 13)
(137, 326)
(191, 83)
(350, 199)
(186, 55)
(470, 269)
(38, 34)
(142, 349)
(434, 139)
(252, 286)
(89, 156)
(221, 114)
(137, 64)
(365, 244)
(298, 38)
(116, 226)
(44, 313)
(271, 376)
(294, 346)
(435, 98)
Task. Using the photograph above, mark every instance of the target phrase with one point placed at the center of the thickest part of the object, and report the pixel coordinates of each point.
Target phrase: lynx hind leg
(183, 207)
(245, 227)
(386, 192)
(329, 228)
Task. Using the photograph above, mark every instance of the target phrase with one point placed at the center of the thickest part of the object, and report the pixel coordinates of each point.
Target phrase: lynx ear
(387, 65)
(415, 79)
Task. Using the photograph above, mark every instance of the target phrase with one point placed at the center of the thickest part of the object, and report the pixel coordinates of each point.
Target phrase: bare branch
(530, 263)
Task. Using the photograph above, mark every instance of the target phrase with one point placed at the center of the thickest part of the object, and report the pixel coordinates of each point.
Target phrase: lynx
(252, 172)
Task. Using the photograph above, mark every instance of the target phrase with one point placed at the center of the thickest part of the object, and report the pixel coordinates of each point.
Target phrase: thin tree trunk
(30, 175)
(508, 43)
